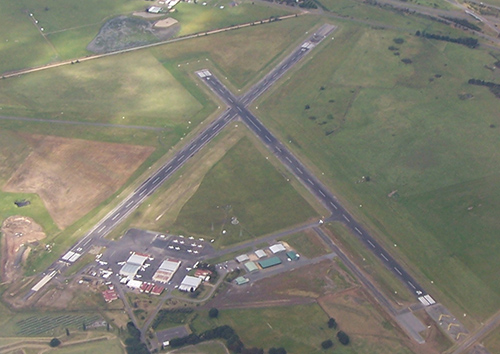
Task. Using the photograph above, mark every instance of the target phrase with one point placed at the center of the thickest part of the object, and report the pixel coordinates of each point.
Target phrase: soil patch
(128, 32)
(17, 232)
(167, 22)
(300, 286)
(73, 176)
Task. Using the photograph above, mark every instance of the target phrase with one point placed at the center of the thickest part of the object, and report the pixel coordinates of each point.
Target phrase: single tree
(67, 332)
(54, 342)
(327, 344)
(343, 337)
(332, 323)
(213, 313)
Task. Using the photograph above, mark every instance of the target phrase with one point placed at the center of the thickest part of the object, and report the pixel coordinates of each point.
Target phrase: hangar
(190, 283)
(251, 266)
(277, 248)
(166, 270)
(270, 262)
(133, 264)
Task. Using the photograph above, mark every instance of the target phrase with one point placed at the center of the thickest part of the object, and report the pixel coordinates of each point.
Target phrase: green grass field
(242, 185)
(240, 60)
(299, 329)
(405, 127)
(307, 244)
(68, 26)
(195, 17)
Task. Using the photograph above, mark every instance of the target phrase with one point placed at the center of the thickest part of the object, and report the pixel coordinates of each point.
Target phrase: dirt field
(300, 286)
(167, 22)
(359, 317)
(16, 232)
(73, 176)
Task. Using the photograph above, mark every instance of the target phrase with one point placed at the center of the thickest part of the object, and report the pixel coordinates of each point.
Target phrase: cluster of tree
(466, 41)
(341, 335)
(222, 332)
(133, 341)
(177, 315)
(213, 313)
(464, 22)
(494, 88)
(225, 332)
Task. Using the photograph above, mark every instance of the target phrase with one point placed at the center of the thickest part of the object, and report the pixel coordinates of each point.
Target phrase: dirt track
(17, 231)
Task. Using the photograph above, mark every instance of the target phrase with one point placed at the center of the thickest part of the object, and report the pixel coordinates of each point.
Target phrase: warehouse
(133, 264)
(190, 283)
(277, 248)
(270, 262)
(166, 270)
(251, 266)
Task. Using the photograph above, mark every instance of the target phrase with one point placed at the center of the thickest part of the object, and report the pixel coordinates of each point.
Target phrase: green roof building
(241, 280)
(251, 266)
(292, 255)
(270, 262)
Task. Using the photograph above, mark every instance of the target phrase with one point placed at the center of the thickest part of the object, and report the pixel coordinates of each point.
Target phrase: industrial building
(242, 258)
(260, 254)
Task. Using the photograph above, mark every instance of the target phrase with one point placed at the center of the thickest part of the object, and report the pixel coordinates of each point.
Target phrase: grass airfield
(403, 125)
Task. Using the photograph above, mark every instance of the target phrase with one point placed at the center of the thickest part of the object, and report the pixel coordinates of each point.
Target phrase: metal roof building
(189, 283)
(277, 248)
(292, 255)
(270, 262)
(242, 258)
(260, 253)
(130, 270)
(166, 271)
(251, 266)
(241, 280)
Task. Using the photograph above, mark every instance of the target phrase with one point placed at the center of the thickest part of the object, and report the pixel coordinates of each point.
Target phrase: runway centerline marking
(384, 257)
(345, 217)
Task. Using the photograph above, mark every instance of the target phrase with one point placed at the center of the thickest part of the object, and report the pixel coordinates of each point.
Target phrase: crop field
(45, 324)
(425, 138)
(242, 196)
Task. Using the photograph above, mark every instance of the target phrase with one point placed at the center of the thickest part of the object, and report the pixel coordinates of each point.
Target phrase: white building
(190, 283)
(277, 248)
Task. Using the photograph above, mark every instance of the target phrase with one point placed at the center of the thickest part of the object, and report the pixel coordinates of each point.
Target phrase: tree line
(466, 41)
(494, 88)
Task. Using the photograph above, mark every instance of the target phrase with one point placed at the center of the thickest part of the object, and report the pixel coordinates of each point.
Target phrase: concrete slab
(412, 325)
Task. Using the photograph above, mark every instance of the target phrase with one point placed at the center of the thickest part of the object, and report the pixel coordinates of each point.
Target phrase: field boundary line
(178, 39)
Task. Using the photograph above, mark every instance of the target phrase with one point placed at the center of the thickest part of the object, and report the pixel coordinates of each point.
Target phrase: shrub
(213, 313)
(343, 338)
(327, 344)
(54, 342)
(332, 323)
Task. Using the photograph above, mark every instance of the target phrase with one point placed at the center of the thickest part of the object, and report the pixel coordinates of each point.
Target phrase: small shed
(241, 280)
(292, 255)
